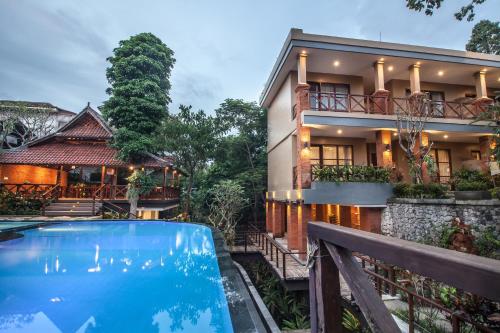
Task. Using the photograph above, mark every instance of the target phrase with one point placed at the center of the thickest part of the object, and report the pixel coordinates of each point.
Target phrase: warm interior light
(445, 136)
(395, 134)
(131, 167)
(336, 63)
(73, 167)
(440, 73)
(390, 68)
(339, 131)
(5, 178)
(498, 79)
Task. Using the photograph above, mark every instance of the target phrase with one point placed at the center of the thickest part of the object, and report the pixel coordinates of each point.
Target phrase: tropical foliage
(139, 183)
(12, 204)
(349, 173)
(485, 38)
(420, 191)
(139, 76)
(470, 180)
(227, 200)
(190, 137)
(429, 6)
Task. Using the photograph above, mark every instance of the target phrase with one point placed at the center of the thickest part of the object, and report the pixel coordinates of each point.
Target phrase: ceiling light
(440, 73)
(381, 59)
(395, 134)
(339, 131)
(303, 52)
(418, 62)
(336, 63)
(498, 79)
(445, 136)
(390, 68)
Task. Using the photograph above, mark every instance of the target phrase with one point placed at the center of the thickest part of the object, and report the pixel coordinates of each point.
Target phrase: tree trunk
(187, 206)
(133, 207)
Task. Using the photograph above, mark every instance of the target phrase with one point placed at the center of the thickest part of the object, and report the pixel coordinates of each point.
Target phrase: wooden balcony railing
(389, 105)
(87, 191)
(334, 254)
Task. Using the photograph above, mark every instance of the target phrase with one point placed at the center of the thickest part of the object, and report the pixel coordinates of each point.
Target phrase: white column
(379, 75)
(302, 68)
(480, 80)
(415, 78)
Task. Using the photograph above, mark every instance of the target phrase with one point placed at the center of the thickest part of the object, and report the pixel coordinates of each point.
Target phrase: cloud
(56, 50)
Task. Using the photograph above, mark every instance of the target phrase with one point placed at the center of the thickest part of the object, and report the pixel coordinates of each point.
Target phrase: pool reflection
(112, 277)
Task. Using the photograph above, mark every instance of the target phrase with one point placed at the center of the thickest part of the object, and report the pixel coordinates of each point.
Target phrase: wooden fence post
(324, 294)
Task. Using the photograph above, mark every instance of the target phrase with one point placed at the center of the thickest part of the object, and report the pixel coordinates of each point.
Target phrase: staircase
(72, 207)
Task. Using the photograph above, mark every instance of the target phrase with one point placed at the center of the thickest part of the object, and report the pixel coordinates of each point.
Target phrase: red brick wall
(292, 227)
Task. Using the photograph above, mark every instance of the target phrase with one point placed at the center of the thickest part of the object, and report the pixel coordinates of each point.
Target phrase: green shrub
(470, 180)
(14, 204)
(495, 192)
(420, 191)
(351, 173)
(465, 185)
(487, 242)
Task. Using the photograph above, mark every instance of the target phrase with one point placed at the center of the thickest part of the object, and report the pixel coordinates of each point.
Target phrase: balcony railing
(390, 105)
(89, 191)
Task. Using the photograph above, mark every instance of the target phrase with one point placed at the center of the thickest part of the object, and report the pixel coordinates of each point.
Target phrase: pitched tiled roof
(82, 141)
(78, 153)
(86, 127)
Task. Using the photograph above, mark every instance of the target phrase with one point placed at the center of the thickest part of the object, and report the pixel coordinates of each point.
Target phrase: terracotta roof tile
(64, 153)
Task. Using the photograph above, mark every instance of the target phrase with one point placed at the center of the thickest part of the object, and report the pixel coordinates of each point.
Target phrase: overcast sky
(55, 51)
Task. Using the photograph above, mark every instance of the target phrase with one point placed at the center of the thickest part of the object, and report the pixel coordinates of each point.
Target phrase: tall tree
(190, 137)
(485, 38)
(139, 76)
(242, 152)
(429, 6)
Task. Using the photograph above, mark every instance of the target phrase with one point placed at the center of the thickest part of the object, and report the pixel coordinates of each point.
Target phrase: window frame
(321, 158)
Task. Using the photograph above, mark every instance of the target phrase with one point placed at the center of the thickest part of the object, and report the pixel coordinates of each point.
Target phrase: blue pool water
(111, 277)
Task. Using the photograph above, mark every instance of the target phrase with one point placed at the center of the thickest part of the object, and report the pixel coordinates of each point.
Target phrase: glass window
(443, 163)
(329, 96)
(332, 155)
(315, 155)
(476, 155)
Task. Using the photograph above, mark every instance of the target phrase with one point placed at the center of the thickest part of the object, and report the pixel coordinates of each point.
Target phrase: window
(476, 155)
(443, 164)
(329, 96)
(331, 155)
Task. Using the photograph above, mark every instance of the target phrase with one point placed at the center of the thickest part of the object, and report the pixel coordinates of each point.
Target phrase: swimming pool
(112, 277)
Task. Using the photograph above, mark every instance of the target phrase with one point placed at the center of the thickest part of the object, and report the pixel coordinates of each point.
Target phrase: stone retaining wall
(415, 219)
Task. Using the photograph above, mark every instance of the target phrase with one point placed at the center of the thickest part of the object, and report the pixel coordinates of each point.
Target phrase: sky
(55, 50)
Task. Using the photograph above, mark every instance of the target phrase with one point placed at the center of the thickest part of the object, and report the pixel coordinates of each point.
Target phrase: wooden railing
(33, 191)
(335, 246)
(48, 196)
(89, 191)
(390, 105)
(320, 101)
(270, 247)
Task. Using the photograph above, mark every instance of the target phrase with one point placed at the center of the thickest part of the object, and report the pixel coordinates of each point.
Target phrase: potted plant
(471, 185)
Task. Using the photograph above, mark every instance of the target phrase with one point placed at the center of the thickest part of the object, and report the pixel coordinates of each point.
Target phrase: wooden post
(324, 294)
(103, 174)
(377, 316)
(165, 182)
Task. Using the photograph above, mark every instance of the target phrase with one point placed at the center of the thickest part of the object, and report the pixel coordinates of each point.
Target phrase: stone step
(69, 208)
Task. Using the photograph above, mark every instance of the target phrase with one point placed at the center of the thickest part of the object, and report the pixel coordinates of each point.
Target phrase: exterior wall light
(73, 167)
(445, 136)
(336, 63)
(306, 145)
(131, 167)
(440, 73)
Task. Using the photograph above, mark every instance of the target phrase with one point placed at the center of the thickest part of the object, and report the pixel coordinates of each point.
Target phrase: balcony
(383, 105)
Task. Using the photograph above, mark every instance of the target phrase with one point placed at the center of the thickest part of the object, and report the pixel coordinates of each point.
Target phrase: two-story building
(333, 102)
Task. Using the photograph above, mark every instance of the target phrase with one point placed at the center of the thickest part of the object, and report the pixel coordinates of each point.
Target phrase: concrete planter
(369, 194)
(472, 195)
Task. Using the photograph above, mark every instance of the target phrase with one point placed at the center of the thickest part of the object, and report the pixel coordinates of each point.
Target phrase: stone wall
(415, 219)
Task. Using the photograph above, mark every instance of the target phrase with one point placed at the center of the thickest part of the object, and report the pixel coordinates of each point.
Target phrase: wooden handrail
(468, 272)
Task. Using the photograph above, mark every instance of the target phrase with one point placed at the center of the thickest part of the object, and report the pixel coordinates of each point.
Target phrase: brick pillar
(304, 216)
(292, 226)
(278, 219)
(380, 96)
(345, 216)
(269, 216)
(303, 138)
(383, 146)
(371, 219)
